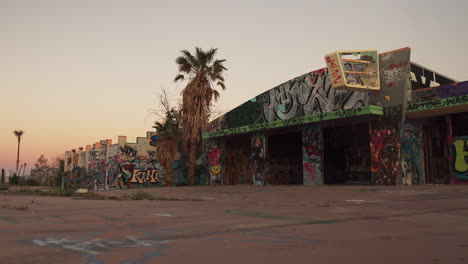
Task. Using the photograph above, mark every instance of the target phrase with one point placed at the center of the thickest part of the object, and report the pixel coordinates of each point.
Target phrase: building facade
(413, 130)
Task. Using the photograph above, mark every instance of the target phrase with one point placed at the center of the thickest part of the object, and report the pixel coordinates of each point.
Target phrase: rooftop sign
(355, 70)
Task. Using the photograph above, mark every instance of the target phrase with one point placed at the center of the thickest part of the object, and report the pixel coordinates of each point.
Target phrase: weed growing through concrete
(147, 196)
(16, 207)
(57, 192)
(96, 196)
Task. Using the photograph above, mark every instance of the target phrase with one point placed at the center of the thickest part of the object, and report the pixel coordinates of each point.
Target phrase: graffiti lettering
(335, 71)
(393, 74)
(312, 155)
(306, 95)
(149, 176)
(437, 103)
(459, 160)
(293, 121)
(399, 65)
(348, 112)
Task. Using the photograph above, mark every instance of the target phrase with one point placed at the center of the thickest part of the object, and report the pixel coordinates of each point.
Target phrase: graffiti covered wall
(312, 154)
(412, 155)
(309, 94)
(459, 160)
(259, 162)
(105, 166)
(216, 161)
(385, 131)
(455, 94)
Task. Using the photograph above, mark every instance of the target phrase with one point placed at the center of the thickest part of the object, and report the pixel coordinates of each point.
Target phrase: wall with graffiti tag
(412, 154)
(259, 161)
(312, 154)
(216, 161)
(459, 160)
(385, 141)
(308, 94)
(104, 165)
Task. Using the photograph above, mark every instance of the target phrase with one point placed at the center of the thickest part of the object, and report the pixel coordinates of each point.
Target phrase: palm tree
(24, 169)
(18, 134)
(168, 135)
(201, 71)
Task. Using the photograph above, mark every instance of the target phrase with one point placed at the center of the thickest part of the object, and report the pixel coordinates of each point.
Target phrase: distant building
(104, 165)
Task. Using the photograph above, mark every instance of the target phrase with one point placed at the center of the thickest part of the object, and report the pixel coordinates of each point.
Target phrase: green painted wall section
(364, 110)
(438, 103)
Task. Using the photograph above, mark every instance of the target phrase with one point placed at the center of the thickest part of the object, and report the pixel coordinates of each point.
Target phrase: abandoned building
(409, 127)
(367, 118)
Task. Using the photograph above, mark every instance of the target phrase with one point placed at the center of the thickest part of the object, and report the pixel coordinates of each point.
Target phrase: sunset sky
(75, 72)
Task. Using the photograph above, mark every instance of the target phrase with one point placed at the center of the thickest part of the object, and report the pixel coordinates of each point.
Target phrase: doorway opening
(347, 154)
(237, 163)
(436, 150)
(285, 158)
(460, 125)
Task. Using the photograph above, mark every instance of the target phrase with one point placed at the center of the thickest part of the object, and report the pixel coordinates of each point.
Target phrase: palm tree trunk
(17, 156)
(192, 165)
(168, 172)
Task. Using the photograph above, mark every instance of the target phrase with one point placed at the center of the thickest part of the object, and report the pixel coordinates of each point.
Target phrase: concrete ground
(241, 224)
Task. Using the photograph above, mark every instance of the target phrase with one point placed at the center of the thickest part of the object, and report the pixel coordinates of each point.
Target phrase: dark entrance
(436, 150)
(346, 153)
(459, 125)
(285, 158)
(237, 164)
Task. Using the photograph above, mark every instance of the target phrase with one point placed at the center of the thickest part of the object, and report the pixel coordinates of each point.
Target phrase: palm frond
(193, 61)
(222, 85)
(215, 95)
(184, 64)
(18, 133)
(210, 54)
(179, 77)
(201, 58)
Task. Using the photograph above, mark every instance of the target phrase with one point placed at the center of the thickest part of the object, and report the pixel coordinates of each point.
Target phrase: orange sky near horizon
(75, 72)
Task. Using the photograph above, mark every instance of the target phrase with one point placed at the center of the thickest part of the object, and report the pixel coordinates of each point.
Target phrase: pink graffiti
(310, 170)
(214, 156)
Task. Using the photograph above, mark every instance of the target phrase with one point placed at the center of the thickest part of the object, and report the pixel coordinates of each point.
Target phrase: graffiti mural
(312, 155)
(97, 166)
(386, 163)
(438, 97)
(385, 156)
(412, 160)
(259, 165)
(215, 162)
(459, 160)
(309, 94)
(144, 171)
(306, 95)
(107, 167)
